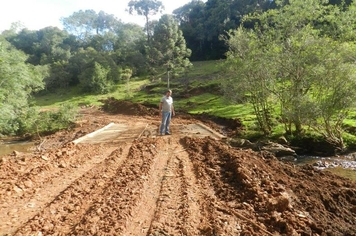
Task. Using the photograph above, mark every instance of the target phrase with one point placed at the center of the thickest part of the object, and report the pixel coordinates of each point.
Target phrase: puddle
(20, 146)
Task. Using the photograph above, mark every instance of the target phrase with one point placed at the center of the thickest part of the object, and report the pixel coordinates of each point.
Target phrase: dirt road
(165, 185)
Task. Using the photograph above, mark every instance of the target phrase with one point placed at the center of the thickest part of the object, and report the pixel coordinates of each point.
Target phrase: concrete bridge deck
(121, 132)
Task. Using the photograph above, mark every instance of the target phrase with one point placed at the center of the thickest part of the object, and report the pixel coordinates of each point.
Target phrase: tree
(126, 75)
(52, 45)
(58, 76)
(204, 22)
(306, 71)
(145, 8)
(250, 77)
(129, 48)
(85, 66)
(334, 97)
(85, 24)
(95, 79)
(169, 47)
(18, 81)
(191, 21)
(43, 46)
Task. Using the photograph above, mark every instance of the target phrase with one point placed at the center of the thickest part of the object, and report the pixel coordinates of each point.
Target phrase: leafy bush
(51, 121)
(95, 79)
(34, 122)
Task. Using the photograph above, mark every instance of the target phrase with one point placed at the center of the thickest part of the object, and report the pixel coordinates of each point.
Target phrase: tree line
(95, 50)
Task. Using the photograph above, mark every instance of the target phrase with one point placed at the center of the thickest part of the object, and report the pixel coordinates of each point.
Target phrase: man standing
(166, 111)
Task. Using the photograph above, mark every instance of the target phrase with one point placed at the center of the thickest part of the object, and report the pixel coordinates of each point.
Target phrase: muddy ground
(165, 185)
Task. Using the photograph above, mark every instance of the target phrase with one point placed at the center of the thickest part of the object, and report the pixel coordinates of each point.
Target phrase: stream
(344, 166)
(7, 147)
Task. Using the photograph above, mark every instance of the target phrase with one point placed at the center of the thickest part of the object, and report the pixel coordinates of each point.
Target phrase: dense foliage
(203, 23)
(293, 63)
(17, 81)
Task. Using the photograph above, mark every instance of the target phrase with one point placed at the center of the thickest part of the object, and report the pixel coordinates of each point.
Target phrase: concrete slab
(111, 129)
(123, 132)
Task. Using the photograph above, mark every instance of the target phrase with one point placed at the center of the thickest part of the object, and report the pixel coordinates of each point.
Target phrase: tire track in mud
(177, 210)
(153, 187)
(148, 196)
(35, 198)
(143, 189)
(142, 213)
(112, 210)
(62, 212)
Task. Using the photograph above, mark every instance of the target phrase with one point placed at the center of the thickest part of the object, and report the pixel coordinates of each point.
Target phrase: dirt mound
(114, 106)
(229, 127)
(169, 185)
(271, 195)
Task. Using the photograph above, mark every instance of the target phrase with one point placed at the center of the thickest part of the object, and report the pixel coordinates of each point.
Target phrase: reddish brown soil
(167, 185)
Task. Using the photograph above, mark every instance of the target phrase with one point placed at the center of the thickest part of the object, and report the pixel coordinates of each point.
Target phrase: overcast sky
(38, 14)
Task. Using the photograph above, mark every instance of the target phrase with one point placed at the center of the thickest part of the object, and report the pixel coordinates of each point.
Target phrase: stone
(279, 150)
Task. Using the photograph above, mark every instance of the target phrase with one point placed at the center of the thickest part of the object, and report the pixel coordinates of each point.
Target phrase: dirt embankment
(167, 185)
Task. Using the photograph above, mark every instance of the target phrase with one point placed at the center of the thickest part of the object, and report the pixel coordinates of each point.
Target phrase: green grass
(197, 92)
(74, 96)
(205, 68)
(351, 119)
(213, 105)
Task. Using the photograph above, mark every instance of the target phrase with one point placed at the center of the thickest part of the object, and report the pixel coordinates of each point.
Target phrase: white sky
(38, 14)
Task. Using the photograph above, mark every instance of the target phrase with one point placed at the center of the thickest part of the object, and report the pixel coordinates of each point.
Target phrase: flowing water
(19, 146)
(344, 166)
